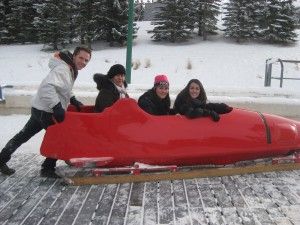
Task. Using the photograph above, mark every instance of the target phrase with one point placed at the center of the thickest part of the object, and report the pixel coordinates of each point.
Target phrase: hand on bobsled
(215, 116)
(76, 103)
(58, 113)
(194, 113)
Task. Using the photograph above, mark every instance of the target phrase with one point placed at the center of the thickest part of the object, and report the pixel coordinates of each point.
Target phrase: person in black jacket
(156, 101)
(192, 102)
(111, 87)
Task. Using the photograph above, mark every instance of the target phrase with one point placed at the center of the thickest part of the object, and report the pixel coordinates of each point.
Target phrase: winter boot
(48, 168)
(4, 169)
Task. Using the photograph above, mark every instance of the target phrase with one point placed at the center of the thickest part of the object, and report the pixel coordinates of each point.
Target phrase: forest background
(58, 23)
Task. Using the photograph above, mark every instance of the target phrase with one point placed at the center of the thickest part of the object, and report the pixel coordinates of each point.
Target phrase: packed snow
(222, 65)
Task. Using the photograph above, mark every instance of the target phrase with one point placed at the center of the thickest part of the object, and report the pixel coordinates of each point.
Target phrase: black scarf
(67, 57)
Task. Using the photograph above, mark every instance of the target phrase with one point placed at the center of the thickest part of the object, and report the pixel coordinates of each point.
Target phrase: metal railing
(268, 71)
(2, 99)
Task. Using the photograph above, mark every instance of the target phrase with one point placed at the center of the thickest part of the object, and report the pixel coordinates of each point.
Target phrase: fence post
(268, 73)
(281, 72)
(2, 99)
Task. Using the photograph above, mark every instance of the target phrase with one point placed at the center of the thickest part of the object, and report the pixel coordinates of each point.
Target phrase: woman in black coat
(192, 102)
(156, 101)
(111, 87)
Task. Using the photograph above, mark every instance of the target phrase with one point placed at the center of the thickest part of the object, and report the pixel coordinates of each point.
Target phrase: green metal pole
(129, 42)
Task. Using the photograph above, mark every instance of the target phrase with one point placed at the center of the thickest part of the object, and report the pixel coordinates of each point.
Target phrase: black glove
(58, 113)
(194, 113)
(76, 103)
(220, 108)
(215, 116)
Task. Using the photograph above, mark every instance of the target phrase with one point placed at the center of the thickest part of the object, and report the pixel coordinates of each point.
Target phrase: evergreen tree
(3, 27)
(116, 22)
(237, 21)
(279, 22)
(174, 22)
(205, 13)
(85, 20)
(53, 23)
(19, 21)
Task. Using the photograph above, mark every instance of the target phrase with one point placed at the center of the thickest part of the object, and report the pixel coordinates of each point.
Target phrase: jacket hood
(103, 82)
(63, 57)
(54, 62)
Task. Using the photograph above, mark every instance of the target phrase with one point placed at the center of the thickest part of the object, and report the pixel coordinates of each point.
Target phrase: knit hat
(115, 70)
(161, 79)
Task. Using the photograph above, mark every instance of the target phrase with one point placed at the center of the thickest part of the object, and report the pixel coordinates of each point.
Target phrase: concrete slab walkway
(266, 198)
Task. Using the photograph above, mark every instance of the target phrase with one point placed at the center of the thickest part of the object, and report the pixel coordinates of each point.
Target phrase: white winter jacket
(56, 87)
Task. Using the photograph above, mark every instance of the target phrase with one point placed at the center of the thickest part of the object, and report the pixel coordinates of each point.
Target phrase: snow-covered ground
(222, 65)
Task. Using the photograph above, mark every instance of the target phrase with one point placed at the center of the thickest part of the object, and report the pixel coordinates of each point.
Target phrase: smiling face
(194, 90)
(81, 59)
(119, 80)
(162, 91)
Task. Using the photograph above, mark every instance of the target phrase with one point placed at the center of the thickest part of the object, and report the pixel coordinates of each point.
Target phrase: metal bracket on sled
(2, 99)
(294, 158)
(136, 169)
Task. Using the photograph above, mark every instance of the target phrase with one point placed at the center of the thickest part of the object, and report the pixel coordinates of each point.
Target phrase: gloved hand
(215, 116)
(76, 103)
(194, 113)
(226, 108)
(58, 113)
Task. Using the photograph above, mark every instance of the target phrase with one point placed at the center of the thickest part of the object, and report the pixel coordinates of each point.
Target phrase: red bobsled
(124, 134)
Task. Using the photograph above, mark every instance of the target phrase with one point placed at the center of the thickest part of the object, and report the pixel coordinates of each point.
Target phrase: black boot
(6, 170)
(48, 168)
(4, 158)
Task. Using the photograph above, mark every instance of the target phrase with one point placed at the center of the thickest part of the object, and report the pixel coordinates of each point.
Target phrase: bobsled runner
(124, 134)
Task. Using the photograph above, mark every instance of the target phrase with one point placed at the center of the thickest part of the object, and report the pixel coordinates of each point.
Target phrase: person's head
(81, 57)
(161, 86)
(195, 90)
(116, 74)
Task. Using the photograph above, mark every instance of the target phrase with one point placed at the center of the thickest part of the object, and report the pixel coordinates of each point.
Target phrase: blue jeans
(38, 120)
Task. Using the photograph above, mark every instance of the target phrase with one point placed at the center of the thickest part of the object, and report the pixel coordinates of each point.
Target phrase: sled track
(261, 198)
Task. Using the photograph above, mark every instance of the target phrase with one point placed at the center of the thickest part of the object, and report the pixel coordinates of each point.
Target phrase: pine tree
(85, 20)
(205, 13)
(237, 20)
(19, 21)
(116, 22)
(174, 22)
(279, 22)
(53, 23)
(3, 24)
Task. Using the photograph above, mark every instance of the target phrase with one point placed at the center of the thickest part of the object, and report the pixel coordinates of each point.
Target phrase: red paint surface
(128, 134)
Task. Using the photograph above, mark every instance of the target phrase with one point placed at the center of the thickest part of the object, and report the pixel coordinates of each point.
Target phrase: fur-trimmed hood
(103, 82)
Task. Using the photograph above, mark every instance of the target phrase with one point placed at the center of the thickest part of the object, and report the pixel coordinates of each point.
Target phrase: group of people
(55, 93)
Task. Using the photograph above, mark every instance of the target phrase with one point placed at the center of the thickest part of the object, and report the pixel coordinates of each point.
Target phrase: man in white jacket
(49, 104)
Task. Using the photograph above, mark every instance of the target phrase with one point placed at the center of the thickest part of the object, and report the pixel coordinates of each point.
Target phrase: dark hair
(82, 48)
(186, 94)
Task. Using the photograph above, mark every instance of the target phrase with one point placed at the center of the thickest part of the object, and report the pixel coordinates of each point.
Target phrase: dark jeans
(38, 120)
